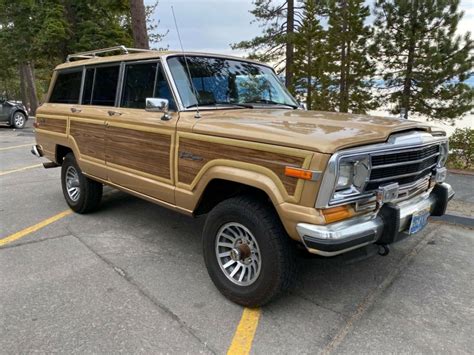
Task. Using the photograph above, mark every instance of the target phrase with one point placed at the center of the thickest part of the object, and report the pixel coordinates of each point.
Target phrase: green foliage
(424, 62)
(461, 146)
(270, 45)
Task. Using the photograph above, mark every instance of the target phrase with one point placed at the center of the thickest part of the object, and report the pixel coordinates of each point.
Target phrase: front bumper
(383, 227)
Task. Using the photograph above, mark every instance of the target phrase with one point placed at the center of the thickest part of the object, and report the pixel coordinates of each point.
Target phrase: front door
(139, 144)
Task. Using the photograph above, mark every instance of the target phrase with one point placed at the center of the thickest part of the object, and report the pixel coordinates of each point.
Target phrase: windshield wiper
(243, 105)
(270, 102)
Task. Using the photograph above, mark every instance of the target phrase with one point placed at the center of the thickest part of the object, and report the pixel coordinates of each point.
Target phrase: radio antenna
(197, 115)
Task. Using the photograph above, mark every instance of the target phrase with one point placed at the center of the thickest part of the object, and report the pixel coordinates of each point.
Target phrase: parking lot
(131, 278)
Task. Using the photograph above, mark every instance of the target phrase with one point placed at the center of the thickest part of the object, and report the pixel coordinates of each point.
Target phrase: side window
(162, 89)
(67, 87)
(105, 86)
(138, 83)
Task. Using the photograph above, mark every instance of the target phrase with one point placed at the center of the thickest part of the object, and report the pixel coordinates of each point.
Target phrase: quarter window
(67, 87)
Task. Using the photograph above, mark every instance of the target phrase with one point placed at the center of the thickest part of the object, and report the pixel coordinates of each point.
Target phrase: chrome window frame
(397, 142)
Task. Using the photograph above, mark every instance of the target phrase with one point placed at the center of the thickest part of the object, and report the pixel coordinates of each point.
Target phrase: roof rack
(94, 53)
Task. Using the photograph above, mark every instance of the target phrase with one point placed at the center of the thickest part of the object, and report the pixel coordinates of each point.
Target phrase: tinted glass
(66, 88)
(226, 81)
(138, 84)
(105, 86)
(89, 80)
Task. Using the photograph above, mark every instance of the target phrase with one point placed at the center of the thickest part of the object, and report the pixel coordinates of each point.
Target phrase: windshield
(225, 81)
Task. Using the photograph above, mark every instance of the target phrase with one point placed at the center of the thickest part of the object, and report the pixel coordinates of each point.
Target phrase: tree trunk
(139, 31)
(31, 87)
(343, 71)
(406, 94)
(309, 88)
(23, 94)
(290, 27)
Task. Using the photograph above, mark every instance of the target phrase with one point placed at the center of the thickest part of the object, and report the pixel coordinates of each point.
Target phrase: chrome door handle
(75, 110)
(114, 113)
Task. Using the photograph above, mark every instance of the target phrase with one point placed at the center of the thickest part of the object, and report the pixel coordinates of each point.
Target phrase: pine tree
(348, 55)
(424, 62)
(311, 80)
(280, 22)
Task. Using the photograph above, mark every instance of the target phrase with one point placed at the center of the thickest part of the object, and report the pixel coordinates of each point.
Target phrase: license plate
(418, 221)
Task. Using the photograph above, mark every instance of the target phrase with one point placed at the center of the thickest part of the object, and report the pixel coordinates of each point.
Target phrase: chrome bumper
(37, 151)
(340, 237)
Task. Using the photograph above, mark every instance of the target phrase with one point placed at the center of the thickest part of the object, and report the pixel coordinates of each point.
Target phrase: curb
(464, 221)
(461, 172)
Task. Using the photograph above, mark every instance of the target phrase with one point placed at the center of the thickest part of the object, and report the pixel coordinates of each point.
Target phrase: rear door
(139, 144)
(88, 120)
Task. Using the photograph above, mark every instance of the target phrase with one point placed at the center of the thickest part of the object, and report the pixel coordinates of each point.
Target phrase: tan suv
(218, 135)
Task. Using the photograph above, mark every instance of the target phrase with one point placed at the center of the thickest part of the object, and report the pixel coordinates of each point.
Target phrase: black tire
(90, 191)
(278, 264)
(18, 120)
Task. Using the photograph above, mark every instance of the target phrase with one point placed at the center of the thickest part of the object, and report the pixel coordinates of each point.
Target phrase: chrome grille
(403, 167)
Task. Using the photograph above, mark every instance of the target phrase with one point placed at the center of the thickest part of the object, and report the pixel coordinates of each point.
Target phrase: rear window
(67, 88)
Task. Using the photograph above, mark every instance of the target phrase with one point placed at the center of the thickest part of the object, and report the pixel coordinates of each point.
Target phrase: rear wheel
(248, 254)
(82, 194)
(19, 120)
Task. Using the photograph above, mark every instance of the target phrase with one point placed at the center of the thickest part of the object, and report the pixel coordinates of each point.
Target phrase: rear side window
(105, 86)
(67, 88)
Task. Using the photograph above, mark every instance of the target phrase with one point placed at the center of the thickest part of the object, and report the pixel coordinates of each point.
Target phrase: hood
(324, 132)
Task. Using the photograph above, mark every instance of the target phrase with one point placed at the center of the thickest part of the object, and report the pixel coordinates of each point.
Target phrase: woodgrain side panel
(52, 124)
(90, 138)
(148, 152)
(194, 154)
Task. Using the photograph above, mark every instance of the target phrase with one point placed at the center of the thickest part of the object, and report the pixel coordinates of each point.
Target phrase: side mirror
(158, 105)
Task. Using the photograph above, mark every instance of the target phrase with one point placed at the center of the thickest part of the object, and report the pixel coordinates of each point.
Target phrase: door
(88, 120)
(139, 144)
(3, 111)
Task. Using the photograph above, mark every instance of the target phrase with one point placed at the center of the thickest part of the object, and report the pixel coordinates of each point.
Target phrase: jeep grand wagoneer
(218, 135)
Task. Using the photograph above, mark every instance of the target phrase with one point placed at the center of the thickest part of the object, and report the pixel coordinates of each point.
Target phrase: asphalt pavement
(130, 278)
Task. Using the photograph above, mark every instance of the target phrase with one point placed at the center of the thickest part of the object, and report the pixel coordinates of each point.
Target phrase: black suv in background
(13, 113)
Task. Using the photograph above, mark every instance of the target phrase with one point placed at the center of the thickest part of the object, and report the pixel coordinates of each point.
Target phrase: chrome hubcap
(238, 254)
(18, 119)
(72, 183)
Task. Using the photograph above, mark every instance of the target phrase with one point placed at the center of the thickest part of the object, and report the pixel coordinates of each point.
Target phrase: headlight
(346, 173)
(352, 176)
(443, 154)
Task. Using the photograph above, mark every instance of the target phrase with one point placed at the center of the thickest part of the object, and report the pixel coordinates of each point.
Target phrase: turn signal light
(299, 173)
(336, 213)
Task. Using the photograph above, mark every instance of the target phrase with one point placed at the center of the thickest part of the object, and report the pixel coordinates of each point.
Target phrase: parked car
(13, 113)
(219, 135)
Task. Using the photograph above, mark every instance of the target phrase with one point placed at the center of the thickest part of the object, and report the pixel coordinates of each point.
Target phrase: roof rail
(94, 53)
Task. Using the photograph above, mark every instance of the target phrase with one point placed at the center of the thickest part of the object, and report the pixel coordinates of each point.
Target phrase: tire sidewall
(13, 120)
(69, 160)
(269, 273)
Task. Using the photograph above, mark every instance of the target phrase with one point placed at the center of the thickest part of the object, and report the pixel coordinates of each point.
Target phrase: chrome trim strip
(403, 163)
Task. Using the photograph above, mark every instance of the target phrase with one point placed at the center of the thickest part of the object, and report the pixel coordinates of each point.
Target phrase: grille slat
(403, 167)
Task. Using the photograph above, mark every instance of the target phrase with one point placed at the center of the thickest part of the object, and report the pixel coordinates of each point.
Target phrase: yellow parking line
(26, 231)
(243, 337)
(19, 169)
(17, 146)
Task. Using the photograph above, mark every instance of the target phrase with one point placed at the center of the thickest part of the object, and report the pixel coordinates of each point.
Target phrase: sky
(212, 25)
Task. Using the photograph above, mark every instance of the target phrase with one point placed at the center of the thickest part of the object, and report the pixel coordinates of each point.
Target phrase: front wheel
(247, 252)
(82, 194)
(19, 120)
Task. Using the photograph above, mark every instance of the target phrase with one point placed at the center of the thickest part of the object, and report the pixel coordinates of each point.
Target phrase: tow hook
(384, 249)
